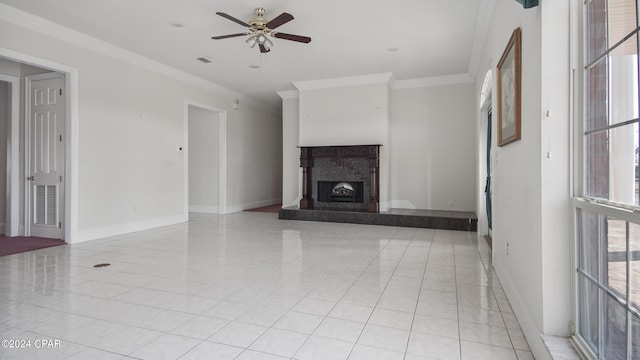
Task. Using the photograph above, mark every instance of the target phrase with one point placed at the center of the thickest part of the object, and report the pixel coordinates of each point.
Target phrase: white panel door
(45, 132)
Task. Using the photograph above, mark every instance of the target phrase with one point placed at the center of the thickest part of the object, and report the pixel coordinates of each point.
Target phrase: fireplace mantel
(340, 157)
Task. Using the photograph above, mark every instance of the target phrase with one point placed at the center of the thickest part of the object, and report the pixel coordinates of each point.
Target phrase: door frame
(12, 219)
(70, 218)
(28, 204)
(222, 155)
(489, 170)
(484, 107)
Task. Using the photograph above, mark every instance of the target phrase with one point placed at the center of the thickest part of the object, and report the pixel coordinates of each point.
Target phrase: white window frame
(625, 212)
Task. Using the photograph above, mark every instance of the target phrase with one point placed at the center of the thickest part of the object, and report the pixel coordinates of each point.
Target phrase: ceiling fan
(260, 29)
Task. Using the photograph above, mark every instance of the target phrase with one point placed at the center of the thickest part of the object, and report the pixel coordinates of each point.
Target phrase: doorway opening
(9, 182)
(487, 187)
(50, 203)
(206, 159)
(485, 218)
(44, 142)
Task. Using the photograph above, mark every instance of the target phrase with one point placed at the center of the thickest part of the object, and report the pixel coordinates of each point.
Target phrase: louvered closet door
(46, 158)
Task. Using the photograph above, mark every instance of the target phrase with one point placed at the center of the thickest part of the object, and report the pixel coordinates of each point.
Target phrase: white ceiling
(349, 37)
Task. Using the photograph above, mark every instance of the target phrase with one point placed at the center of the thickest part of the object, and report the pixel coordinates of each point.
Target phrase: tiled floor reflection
(249, 286)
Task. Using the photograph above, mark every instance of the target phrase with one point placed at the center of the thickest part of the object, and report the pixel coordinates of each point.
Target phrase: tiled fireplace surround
(359, 163)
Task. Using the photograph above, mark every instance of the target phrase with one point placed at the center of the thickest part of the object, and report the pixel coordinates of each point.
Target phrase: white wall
(254, 160)
(203, 159)
(348, 111)
(291, 172)
(517, 172)
(415, 121)
(347, 115)
(531, 225)
(433, 147)
(131, 122)
(556, 237)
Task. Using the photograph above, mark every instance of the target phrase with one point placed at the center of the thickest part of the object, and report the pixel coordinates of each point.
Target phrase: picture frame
(509, 84)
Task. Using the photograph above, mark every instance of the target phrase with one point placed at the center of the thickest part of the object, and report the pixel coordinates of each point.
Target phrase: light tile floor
(249, 286)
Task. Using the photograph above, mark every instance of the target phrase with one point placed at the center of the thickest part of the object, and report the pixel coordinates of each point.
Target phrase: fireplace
(340, 178)
(341, 191)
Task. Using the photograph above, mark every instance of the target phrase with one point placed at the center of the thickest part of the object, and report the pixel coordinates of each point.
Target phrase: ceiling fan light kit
(260, 29)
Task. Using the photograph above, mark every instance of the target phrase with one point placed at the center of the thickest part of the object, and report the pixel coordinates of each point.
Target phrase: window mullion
(601, 293)
(628, 302)
(612, 48)
(613, 126)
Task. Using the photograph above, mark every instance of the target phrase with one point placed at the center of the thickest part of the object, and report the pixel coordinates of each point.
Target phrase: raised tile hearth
(431, 219)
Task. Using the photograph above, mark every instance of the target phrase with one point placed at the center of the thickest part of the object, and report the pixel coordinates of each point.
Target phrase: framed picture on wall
(509, 79)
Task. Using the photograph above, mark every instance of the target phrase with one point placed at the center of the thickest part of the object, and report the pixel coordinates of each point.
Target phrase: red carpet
(270, 209)
(19, 244)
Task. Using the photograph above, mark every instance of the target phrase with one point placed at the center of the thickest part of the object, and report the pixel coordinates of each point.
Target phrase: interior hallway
(249, 286)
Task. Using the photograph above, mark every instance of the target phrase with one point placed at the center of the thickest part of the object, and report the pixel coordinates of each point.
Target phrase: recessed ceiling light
(205, 59)
(176, 24)
(254, 66)
(392, 49)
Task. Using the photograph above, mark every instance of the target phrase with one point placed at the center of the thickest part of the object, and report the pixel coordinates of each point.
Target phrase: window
(607, 213)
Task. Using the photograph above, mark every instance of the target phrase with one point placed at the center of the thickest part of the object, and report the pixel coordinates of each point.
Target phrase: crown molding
(289, 94)
(46, 27)
(383, 78)
(433, 81)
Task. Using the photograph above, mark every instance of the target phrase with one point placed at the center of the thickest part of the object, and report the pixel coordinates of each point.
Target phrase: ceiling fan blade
(263, 49)
(279, 20)
(229, 17)
(228, 36)
(298, 38)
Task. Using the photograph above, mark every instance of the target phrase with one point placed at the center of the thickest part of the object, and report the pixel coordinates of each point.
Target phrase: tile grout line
(352, 285)
(415, 310)
(488, 268)
(308, 335)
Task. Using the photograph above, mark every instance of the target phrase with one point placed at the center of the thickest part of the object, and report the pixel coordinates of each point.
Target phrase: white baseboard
(125, 228)
(203, 209)
(251, 205)
(528, 325)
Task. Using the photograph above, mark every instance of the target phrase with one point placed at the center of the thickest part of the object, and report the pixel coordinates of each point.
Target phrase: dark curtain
(487, 187)
(528, 3)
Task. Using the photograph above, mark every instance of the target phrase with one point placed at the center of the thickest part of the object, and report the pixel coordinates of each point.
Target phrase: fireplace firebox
(340, 177)
(340, 191)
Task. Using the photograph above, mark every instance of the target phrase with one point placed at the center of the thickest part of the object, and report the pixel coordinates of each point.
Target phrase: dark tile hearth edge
(444, 220)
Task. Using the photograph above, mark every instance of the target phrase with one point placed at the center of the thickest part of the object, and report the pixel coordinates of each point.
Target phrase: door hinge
(59, 224)
(60, 92)
(60, 138)
(60, 178)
